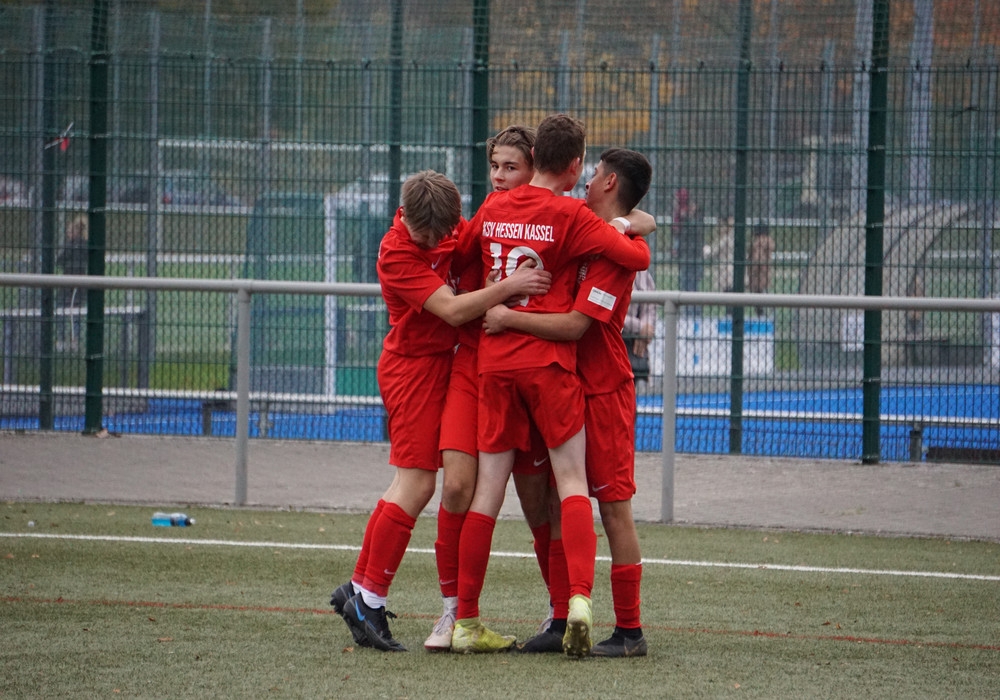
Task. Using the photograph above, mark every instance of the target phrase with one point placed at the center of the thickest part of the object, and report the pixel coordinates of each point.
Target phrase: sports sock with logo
(358, 578)
(389, 539)
(449, 531)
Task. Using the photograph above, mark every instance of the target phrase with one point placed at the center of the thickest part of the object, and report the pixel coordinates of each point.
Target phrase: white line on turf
(515, 555)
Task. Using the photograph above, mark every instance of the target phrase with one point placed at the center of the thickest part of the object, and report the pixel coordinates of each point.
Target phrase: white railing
(671, 302)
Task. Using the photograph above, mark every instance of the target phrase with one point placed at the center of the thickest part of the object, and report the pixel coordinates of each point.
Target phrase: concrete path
(933, 499)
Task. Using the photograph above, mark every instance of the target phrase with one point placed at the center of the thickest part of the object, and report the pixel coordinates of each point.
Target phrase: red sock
(625, 581)
(558, 580)
(580, 543)
(473, 558)
(446, 549)
(390, 536)
(359, 567)
(542, 534)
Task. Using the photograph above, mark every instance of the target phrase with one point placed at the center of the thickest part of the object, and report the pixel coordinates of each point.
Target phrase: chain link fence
(213, 141)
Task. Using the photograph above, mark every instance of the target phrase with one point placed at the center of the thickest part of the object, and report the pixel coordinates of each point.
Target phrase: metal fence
(202, 146)
(662, 420)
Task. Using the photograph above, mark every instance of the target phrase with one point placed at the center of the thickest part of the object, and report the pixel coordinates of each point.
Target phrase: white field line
(515, 555)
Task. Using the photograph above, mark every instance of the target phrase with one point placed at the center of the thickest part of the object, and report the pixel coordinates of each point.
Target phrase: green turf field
(95, 602)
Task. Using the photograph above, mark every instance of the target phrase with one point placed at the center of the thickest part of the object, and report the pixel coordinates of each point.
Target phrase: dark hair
(761, 230)
(634, 175)
(558, 140)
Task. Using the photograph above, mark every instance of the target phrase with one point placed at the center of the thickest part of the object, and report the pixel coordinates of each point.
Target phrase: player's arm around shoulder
(456, 309)
(629, 251)
(561, 327)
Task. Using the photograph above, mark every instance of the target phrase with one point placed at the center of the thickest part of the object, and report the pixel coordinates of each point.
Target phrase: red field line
(664, 628)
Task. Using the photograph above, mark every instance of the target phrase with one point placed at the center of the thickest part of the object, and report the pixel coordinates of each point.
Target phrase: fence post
(669, 426)
(154, 215)
(874, 232)
(242, 391)
(480, 97)
(741, 188)
(98, 197)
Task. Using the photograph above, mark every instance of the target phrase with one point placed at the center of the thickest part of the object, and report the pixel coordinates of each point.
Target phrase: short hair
(559, 139)
(431, 202)
(634, 175)
(520, 137)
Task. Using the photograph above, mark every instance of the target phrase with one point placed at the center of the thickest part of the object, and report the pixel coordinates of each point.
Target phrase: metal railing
(671, 302)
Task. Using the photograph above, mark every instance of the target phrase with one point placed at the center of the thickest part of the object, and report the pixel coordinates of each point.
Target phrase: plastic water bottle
(172, 519)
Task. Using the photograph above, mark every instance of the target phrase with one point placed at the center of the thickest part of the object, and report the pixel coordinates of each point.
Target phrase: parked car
(13, 192)
(180, 187)
(127, 189)
(371, 195)
(192, 188)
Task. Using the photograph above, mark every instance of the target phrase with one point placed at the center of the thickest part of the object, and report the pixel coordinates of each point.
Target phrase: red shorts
(459, 421)
(550, 396)
(536, 459)
(611, 444)
(413, 390)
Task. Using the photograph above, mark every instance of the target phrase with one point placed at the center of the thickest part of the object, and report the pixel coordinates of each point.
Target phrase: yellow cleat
(576, 641)
(472, 637)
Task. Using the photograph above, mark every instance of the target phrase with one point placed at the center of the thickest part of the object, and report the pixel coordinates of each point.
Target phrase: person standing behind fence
(720, 255)
(762, 248)
(688, 242)
(72, 259)
(414, 264)
(639, 329)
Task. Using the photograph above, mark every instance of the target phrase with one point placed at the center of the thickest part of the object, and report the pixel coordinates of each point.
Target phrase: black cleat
(338, 599)
(340, 596)
(547, 642)
(618, 646)
(369, 626)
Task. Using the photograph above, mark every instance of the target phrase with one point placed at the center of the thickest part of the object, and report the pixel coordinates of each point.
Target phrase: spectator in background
(72, 260)
(688, 242)
(720, 253)
(759, 268)
(639, 328)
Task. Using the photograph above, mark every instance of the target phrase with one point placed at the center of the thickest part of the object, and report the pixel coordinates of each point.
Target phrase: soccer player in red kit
(620, 180)
(525, 378)
(424, 310)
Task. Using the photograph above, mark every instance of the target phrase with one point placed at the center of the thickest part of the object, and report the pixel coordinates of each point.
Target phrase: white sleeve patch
(602, 298)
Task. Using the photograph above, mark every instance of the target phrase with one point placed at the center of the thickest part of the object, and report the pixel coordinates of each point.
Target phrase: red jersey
(409, 275)
(558, 233)
(468, 278)
(605, 293)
